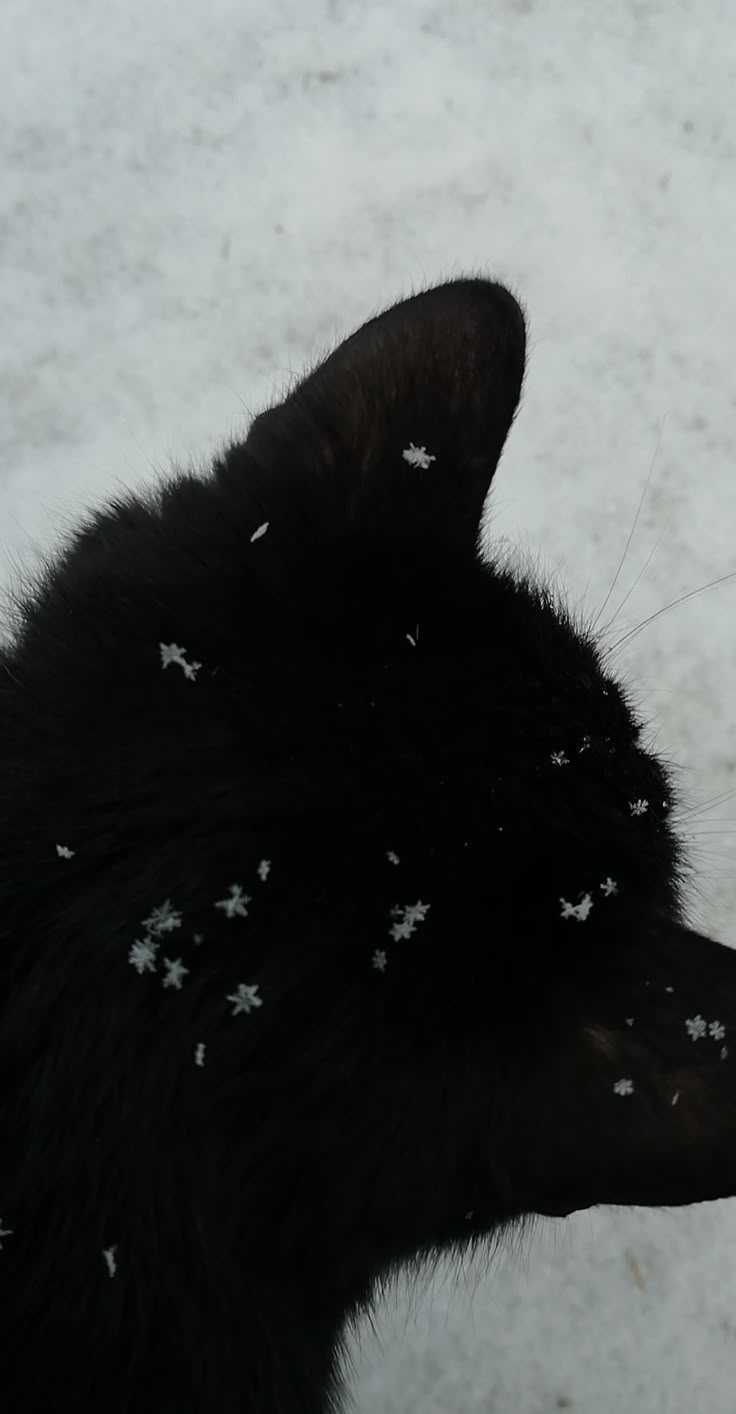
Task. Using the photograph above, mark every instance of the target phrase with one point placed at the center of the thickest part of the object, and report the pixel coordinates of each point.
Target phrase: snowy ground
(193, 198)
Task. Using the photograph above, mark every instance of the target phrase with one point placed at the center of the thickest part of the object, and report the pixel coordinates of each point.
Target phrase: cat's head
(470, 992)
(496, 1004)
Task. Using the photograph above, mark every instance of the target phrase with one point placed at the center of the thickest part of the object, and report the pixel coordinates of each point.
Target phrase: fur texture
(191, 1229)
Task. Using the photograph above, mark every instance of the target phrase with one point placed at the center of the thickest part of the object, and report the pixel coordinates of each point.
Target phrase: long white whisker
(633, 528)
(672, 605)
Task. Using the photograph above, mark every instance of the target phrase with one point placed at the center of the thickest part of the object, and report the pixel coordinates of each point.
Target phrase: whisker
(642, 571)
(691, 811)
(633, 528)
(672, 605)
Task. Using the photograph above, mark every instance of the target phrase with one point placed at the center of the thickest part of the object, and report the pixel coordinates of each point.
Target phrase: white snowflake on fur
(392, 856)
(257, 534)
(380, 958)
(418, 456)
(264, 869)
(624, 1087)
(199, 1054)
(172, 653)
(163, 919)
(245, 999)
(696, 1027)
(175, 973)
(142, 955)
(109, 1255)
(580, 911)
(4, 1232)
(64, 852)
(558, 758)
(638, 807)
(609, 887)
(236, 904)
(717, 1030)
(406, 919)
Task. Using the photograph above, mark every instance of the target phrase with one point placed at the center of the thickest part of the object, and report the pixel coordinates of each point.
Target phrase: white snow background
(194, 199)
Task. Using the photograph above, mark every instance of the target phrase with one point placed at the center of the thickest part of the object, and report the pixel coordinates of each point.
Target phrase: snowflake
(392, 856)
(638, 807)
(609, 886)
(4, 1232)
(142, 955)
(236, 903)
(109, 1255)
(245, 999)
(669, 989)
(407, 917)
(380, 959)
(163, 919)
(579, 911)
(417, 456)
(696, 1027)
(198, 938)
(64, 852)
(629, 1020)
(176, 972)
(585, 744)
(260, 531)
(264, 869)
(717, 1030)
(624, 1087)
(199, 1054)
(414, 637)
(675, 1097)
(724, 1052)
(172, 653)
(559, 758)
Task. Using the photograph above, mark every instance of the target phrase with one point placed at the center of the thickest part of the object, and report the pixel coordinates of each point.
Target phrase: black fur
(367, 686)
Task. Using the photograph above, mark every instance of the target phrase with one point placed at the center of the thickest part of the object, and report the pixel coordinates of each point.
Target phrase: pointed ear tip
(479, 289)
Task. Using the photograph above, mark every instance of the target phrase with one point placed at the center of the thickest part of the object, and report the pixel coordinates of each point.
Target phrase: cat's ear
(631, 1087)
(400, 429)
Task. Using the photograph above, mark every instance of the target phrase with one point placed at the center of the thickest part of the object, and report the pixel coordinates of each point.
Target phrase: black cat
(341, 910)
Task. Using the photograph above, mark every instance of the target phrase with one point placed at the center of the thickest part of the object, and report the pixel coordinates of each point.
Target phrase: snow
(696, 1027)
(236, 903)
(172, 653)
(245, 999)
(170, 253)
(418, 456)
(175, 973)
(163, 919)
(407, 918)
(580, 911)
(110, 1259)
(142, 955)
